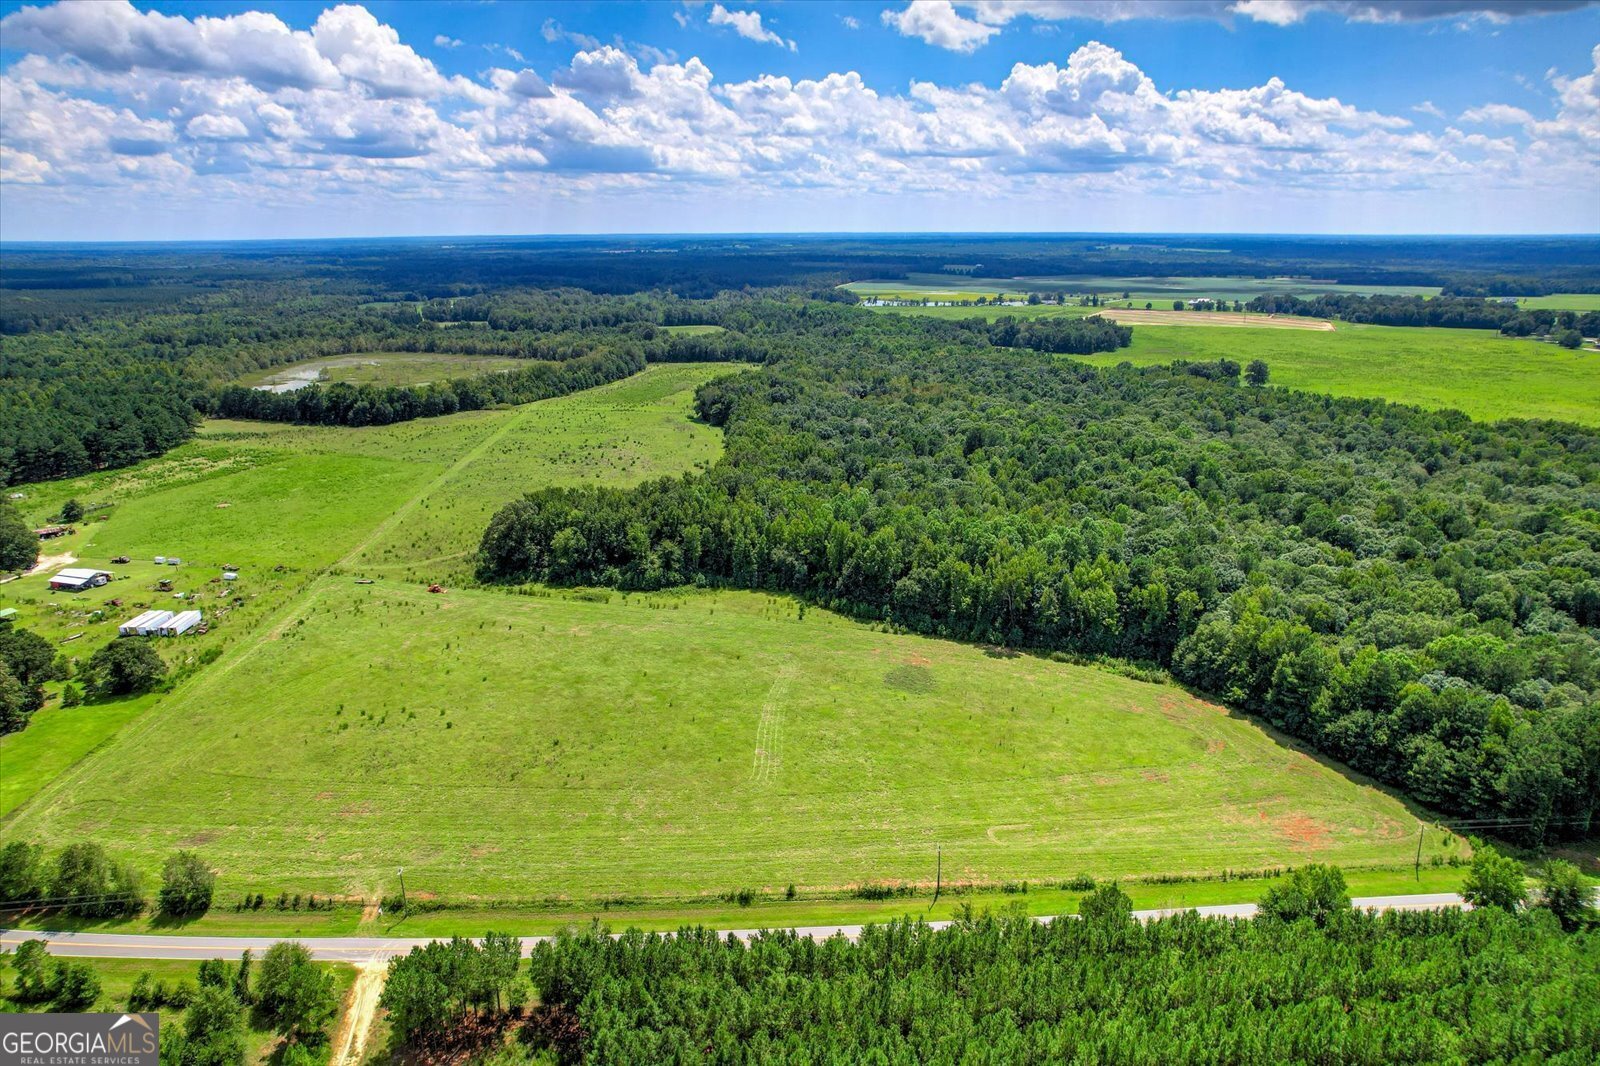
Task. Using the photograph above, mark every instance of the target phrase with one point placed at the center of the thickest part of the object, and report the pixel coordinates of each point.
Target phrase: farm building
(151, 626)
(51, 532)
(8, 614)
(130, 628)
(77, 580)
(180, 624)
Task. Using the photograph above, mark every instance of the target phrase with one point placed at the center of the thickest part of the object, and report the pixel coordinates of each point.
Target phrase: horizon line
(800, 234)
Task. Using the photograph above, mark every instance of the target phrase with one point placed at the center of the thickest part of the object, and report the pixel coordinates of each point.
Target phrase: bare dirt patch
(51, 562)
(1139, 317)
(1303, 831)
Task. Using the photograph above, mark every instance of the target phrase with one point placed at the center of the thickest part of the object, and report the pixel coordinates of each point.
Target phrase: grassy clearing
(693, 331)
(1475, 371)
(1562, 301)
(384, 368)
(118, 975)
(585, 747)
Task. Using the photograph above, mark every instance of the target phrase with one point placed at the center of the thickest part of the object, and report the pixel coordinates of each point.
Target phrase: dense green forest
(1415, 593)
(1311, 981)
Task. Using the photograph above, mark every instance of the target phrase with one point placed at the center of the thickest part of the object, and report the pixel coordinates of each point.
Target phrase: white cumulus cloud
(747, 24)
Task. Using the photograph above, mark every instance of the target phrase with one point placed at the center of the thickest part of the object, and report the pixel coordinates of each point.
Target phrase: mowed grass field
(1476, 371)
(587, 746)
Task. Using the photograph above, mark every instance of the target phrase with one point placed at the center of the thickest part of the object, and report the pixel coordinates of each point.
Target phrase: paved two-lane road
(367, 948)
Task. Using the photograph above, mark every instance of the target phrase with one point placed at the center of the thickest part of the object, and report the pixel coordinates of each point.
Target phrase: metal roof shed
(76, 579)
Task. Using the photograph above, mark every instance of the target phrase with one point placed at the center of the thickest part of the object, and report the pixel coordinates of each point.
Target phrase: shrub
(1565, 892)
(1494, 881)
(187, 884)
(77, 987)
(91, 885)
(1316, 892)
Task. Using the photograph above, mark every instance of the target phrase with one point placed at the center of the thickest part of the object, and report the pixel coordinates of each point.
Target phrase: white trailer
(151, 627)
(181, 624)
(130, 628)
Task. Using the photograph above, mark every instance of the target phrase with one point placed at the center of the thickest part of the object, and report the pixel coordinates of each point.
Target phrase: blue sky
(195, 120)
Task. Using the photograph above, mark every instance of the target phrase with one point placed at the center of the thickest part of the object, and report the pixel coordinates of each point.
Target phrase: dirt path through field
(361, 1008)
(517, 417)
(51, 562)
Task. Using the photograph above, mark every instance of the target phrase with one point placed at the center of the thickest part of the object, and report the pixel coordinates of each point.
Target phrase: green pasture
(1479, 372)
(584, 746)
(385, 368)
(1562, 301)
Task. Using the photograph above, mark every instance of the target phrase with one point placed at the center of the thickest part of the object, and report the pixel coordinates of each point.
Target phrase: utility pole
(403, 909)
(1421, 829)
(938, 873)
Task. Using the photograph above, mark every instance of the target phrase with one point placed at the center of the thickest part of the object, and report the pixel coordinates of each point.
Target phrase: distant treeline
(123, 389)
(1446, 311)
(64, 284)
(1415, 593)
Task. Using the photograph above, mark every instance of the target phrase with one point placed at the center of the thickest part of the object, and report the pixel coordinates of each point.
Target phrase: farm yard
(284, 502)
